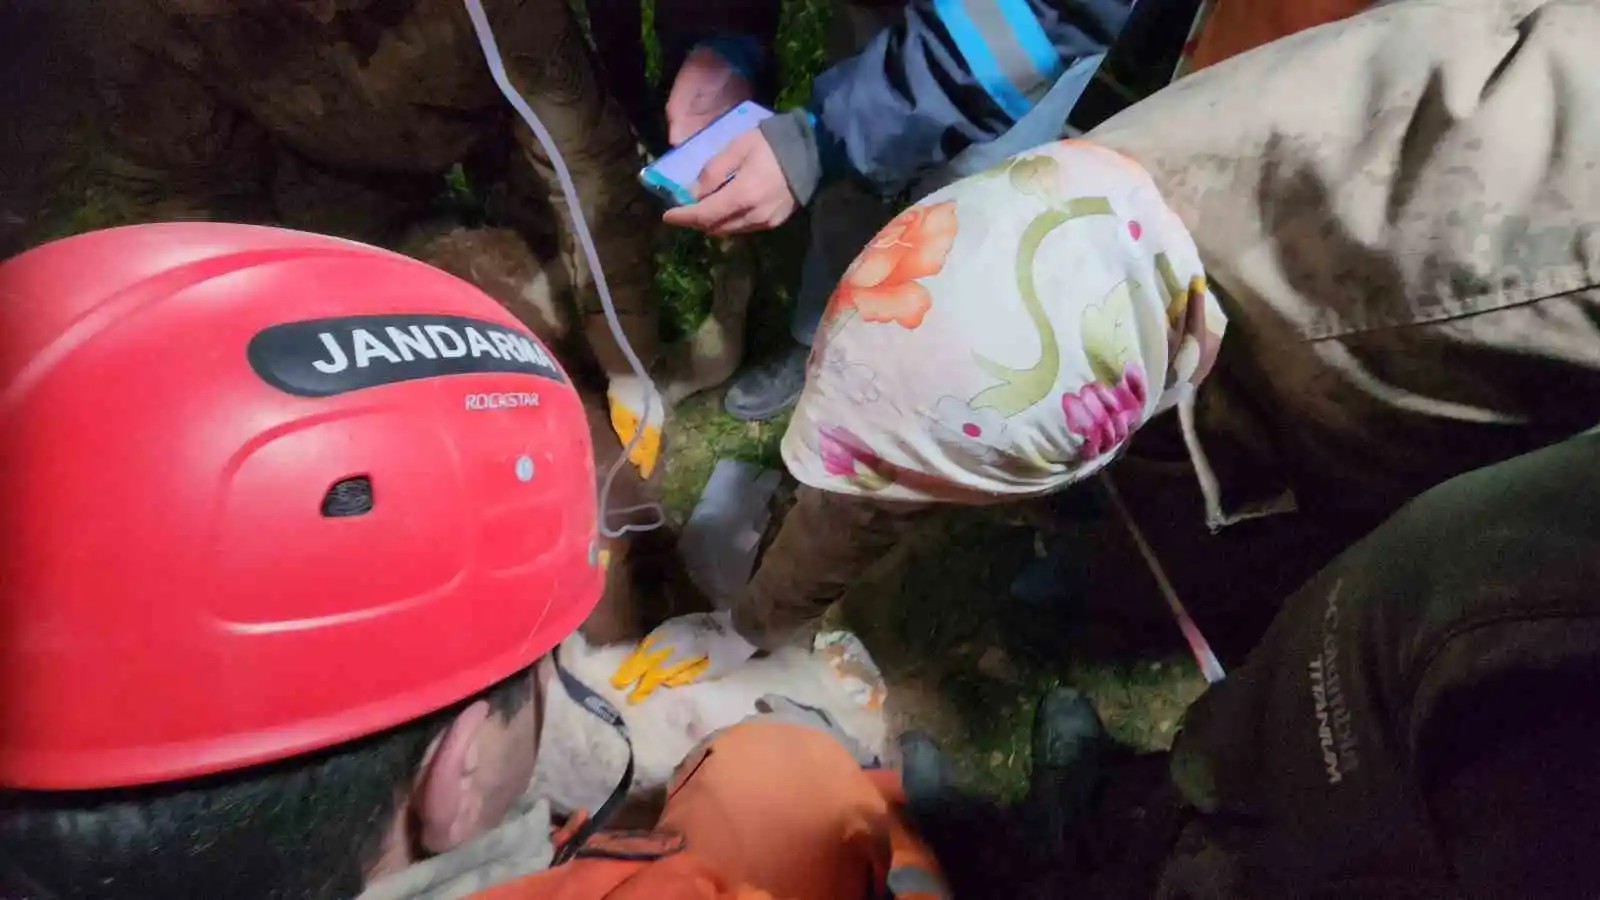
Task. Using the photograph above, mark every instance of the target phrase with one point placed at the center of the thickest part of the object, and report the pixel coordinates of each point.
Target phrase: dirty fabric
(1004, 337)
(1329, 764)
(1409, 269)
(826, 543)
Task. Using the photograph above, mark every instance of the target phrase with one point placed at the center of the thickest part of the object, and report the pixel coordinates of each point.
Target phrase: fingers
(741, 189)
(639, 662)
(648, 668)
(673, 676)
(722, 199)
(720, 171)
(688, 673)
(730, 212)
(698, 76)
(763, 217)
(686, 119)
(706, 86)
(711, 214)
(680, 126)
(719, 174)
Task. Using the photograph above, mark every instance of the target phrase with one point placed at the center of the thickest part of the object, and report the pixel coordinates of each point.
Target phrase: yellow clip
(624, 422)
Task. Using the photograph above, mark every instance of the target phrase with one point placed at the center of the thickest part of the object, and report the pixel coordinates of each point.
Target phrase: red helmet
(264, 492)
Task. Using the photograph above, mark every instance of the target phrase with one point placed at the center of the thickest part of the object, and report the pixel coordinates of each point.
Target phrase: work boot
(768, 388)
(1069, 749)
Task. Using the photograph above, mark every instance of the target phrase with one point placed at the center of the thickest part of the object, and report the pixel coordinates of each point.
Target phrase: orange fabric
(785, 807)
(677, 877)
(766, 811)
(1235, 26)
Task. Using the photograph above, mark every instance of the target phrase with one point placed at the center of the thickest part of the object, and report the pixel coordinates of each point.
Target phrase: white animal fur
(581, 758)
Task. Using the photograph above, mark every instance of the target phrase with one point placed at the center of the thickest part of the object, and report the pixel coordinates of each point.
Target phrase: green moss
(968, 665)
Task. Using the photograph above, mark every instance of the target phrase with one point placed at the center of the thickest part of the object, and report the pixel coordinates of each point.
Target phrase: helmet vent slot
(348, 497)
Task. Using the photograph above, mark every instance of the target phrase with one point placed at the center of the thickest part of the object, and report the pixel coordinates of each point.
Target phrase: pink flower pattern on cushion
(1104, 415)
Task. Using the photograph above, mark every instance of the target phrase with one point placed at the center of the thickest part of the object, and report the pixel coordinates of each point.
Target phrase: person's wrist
(792, 138)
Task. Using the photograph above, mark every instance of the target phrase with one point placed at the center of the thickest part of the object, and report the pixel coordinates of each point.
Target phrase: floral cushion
(1005, 336)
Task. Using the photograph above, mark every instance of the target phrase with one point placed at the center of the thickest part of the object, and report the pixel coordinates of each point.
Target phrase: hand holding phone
(725, 180)
(672, 177)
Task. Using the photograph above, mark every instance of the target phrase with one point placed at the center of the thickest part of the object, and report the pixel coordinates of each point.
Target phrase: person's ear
(449, 803)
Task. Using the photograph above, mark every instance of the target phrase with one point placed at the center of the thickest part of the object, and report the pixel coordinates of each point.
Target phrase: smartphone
(674, 173)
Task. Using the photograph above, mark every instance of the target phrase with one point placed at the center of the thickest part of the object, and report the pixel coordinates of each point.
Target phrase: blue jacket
(742, 31)
(950, 74)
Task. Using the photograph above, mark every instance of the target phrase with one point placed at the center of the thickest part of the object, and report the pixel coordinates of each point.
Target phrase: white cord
(580, 225)
(1210, 666)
